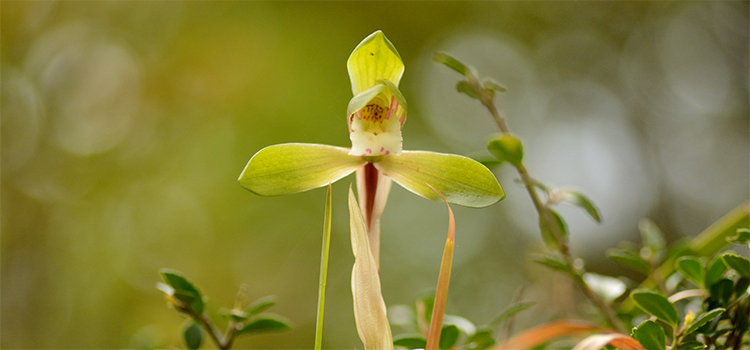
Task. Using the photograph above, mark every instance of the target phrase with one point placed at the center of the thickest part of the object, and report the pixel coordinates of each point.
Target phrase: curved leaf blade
(692, 269)
(296, 167)
(656, 305)
(265, 323)
(461, 180)
(650, 335)
(703, 319)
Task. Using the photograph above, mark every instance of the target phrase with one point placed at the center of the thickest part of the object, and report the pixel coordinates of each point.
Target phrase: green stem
(212, 331)
(323, 271)
(546, 217)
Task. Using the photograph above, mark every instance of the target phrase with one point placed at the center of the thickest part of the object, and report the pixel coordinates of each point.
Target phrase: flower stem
(546, 217)
(323, 271)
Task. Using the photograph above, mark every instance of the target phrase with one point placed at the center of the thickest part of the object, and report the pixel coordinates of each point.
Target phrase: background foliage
(126, 124)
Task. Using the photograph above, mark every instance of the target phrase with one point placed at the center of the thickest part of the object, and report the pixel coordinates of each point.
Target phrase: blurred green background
(126, 124)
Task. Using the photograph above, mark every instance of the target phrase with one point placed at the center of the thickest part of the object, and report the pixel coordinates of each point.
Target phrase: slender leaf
(374, 58)
(692, 345)
(369, 307)
(264, 323)
(692, 269)
(261, 305)
(737, 263)
(461, 180)
(703, 319)
(463, 87)
(451, 63)
(323, 271)
(656, 305)
(548, 234)
(552, 261)
(492, 85)
(296, 167)
(578, 199)
(650, 335)
(441, 294)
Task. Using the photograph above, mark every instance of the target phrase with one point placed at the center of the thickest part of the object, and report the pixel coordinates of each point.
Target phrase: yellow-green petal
(369, 307)
(296, 167)
(374, 58)
(461, 180)
(361, 99)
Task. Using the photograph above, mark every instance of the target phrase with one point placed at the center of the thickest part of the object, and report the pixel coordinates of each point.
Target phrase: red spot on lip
(387, 152)
(368, 150)
(382, 149)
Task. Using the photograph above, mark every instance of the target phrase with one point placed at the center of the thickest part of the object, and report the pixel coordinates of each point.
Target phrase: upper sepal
(461, 180)
(374, 58)
(296, 167)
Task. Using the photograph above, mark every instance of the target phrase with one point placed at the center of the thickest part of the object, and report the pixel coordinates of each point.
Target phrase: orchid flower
(375, 116)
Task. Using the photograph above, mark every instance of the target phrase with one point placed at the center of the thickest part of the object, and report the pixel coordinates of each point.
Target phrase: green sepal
(183, 290)
(703, 319)
(508, 148)
(656, 304)
(192, 334)
(410, 341)
(629, 259)
(261, 305)
(267, 322)
(737, 263)
(650, 335)
(361, 99)
(692, 269)
(461, 180)
(374, 58)
(296, 167)
(448, 336)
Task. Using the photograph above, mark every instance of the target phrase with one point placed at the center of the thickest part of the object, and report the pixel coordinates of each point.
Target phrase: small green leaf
(463, 87)
(448, 336)
(552, 261)
(267, 322)
(715, 271)
(513, 309)
(192, 334)
(651, 235)
(451, 62)
(703, 319)
(410, 341)
(296, 167)
(650, 335)
(656, 305)
(234, 314)
(184, 291)
(742, 237)
(461, 180)
(578, 199)
(547, 233)
(737, 263)
(691, 345)
(480, 340)
(261, 305)
(692, 269)
(721, 291)
(492, 85)
(508, 148)
(629, 259)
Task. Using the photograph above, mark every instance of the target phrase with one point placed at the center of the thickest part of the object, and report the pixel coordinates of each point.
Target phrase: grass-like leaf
(323, 271)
